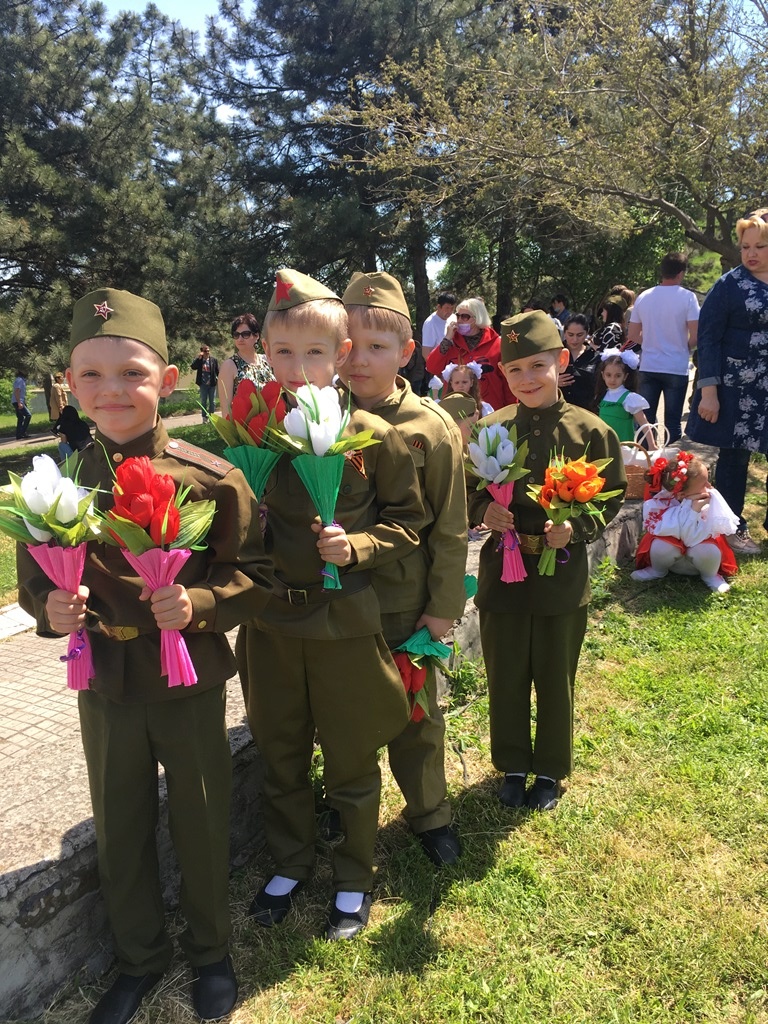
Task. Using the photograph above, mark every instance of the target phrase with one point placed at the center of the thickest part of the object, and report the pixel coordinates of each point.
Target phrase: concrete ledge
(52, 918)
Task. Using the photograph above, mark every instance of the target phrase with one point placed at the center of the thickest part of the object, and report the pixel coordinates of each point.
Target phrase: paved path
(187, 420)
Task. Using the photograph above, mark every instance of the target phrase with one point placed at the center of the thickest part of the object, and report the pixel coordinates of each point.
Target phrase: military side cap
(459, 407)
(379, 290)
(528, 334)
(111, 312)
(294, 289)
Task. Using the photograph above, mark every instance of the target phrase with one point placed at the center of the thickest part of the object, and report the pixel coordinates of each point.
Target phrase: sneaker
(742, 544)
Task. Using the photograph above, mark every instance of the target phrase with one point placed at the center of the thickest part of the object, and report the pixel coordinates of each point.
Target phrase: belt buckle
(119, 632)
(301, 598)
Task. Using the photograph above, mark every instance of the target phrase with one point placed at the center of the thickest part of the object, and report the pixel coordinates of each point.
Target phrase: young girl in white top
(686, 524)
(616, 401)
(464, 379)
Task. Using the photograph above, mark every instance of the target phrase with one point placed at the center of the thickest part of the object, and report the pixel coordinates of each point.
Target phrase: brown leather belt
(531, 543)
(351, 583)
(119, 632)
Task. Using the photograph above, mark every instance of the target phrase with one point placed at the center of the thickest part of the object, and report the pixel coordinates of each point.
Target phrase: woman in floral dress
(730, 407)
(247, 362)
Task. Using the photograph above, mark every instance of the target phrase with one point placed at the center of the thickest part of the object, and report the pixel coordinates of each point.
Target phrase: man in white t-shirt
(433, 329)
(667, 317)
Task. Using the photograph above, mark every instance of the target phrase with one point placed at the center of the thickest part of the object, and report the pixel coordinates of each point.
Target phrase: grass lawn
(640, 900)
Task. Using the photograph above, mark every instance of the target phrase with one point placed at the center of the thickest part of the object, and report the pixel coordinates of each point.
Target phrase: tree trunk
(417, 251)
(505, 271)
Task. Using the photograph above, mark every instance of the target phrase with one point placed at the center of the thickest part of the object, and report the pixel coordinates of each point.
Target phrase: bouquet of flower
(572, 487)
(497, 459)
(158, 529)
(412, 658)
(312, 434)
(46, 510)
(254, 412)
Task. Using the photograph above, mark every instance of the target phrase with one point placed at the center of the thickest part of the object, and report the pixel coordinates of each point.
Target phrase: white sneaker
(742, 544)
(716, 583)
(647, 574)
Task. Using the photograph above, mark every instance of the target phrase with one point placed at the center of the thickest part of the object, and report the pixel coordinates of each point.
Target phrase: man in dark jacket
(206, 379)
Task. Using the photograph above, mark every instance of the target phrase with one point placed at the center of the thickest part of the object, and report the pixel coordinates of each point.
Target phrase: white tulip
(505, 453)
(491, 436)
(40, 535)
(69, 498)
(295, 424)
(318, 417)
(38, 487)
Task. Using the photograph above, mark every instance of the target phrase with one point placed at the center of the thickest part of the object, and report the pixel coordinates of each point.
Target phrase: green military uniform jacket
(562, 428)
(228, 582)
(429, 580)
(380, 508)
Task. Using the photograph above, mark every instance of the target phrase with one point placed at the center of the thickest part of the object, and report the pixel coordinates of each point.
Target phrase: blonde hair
(327, 315)
(376, 318)
(754, 220)
(477, 309)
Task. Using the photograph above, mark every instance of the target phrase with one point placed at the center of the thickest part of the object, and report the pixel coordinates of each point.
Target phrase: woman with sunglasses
(245, 363)
(472, 339)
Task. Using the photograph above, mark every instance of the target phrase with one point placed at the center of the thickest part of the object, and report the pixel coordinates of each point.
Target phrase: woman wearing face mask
(472, 339)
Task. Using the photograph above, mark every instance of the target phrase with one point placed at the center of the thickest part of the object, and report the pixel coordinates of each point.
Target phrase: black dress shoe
(267, 910)
(214, 989)
(512, 791)
(121, 1002)
(544, 794)
(342, 925)
(441, 845)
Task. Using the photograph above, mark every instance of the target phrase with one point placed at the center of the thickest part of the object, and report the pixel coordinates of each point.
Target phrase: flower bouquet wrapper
(255, 463)
(159, 568)
(322, 478)
(64, 567)
(512, 569)
(412, 658)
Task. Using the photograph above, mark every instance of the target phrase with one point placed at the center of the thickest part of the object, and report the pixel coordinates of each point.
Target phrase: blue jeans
(674, 387)
(207, 399)
(23, 416)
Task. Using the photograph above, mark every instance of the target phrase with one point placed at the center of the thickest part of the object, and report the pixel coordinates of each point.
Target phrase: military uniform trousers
(543, 650)
(417, 755)
(123, 744)
(350, 691)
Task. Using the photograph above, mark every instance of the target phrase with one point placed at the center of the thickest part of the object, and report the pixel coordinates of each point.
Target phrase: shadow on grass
(408, 891)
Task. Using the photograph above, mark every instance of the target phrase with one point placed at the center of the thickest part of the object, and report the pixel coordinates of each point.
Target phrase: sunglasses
(463, 316)
(243, 334)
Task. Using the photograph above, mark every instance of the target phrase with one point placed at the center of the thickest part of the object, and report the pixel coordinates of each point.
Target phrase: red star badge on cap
(282, 289)
(368, 291)
(102, 310)
(513, 336)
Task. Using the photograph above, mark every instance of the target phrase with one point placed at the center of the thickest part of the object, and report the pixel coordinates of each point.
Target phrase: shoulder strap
(186, 452)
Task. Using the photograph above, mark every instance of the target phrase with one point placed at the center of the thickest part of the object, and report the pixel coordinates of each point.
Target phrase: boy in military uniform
(532, 631)
(330, 669)
(425, 588)
(129, 718)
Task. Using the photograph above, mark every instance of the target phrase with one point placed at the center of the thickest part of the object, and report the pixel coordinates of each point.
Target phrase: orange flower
(589, 488)
(546, 494)
(579, 470)
(565, 490)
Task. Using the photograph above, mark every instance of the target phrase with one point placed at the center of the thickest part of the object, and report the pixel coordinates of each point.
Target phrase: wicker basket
(636, 474)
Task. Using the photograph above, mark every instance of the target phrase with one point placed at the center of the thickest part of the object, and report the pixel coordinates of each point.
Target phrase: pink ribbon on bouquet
(512, 569)
(64, 567)
(159, 568)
